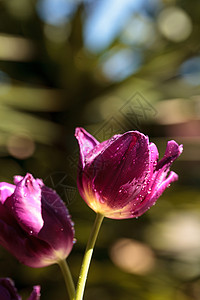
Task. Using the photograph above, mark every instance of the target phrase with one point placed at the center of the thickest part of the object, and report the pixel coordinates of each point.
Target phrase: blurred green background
(109, 66)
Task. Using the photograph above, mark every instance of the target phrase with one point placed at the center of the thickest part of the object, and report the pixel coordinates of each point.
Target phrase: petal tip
(77, 130)
(180, 149)
(173, 176)
(80, 132)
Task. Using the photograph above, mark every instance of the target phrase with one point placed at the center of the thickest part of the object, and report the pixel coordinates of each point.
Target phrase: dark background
(109, 66)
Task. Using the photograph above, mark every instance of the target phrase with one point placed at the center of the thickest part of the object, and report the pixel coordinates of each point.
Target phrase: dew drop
(149, 191)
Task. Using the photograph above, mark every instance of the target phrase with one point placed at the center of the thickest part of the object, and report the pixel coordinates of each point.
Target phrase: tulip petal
(8, 290)
(6, 190)
(17, 179)
(28, 249)
(35, 295)
(24, 247)
(159, 180)
(54, 211)
(163, 185)
(25, 205)
(146, 185)
(154, 155)
(172, 152)
(12, 239)
(89, 149)
(86, 141)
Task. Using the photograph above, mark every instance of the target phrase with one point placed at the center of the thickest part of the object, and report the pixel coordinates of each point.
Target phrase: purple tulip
(121, 178)
(35, 225)
(8, 291)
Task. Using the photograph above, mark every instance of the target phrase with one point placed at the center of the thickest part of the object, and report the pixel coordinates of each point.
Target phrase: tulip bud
(122, 178)
(8, 291)
(35, 225)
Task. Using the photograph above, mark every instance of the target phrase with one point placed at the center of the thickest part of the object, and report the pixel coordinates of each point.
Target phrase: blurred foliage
(147, 78)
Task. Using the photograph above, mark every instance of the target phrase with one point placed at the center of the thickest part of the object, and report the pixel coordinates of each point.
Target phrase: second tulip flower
(122, 177)
(35, 225)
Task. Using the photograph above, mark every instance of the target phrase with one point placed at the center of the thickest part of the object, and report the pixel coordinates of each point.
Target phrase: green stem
(68, 278)
(88, 256)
